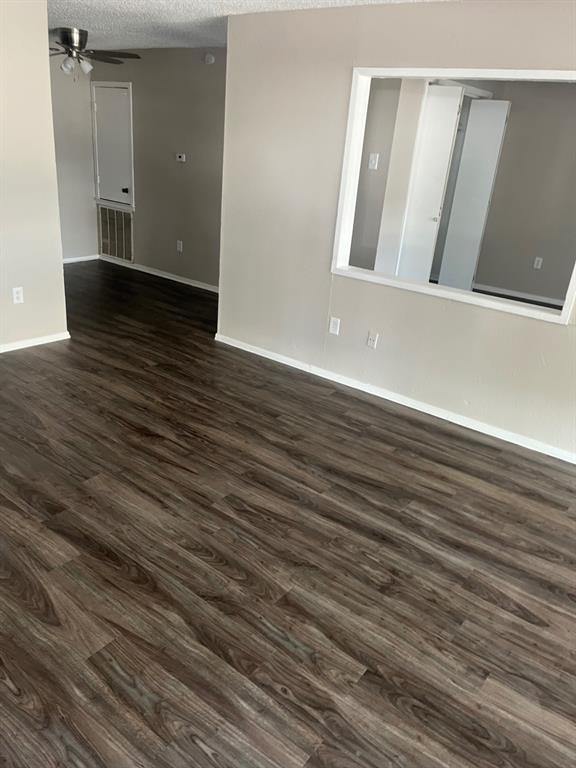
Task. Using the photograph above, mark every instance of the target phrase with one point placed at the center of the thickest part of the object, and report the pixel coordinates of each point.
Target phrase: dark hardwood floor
(210, 560)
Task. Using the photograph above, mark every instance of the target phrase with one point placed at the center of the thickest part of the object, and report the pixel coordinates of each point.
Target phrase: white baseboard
(74, 259)
(518, 295)
(160, 273)
(418, 405)
(14, 345)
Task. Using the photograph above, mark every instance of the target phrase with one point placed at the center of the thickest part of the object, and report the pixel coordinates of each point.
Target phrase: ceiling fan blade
(117, 54)
(99, 57)
(58, 53)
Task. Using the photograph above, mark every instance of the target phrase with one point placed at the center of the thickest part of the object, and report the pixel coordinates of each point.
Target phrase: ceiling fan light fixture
(85, 66)
(72, 43)
(68, 65)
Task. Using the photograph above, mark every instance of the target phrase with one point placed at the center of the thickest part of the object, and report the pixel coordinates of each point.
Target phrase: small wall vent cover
(115, 233)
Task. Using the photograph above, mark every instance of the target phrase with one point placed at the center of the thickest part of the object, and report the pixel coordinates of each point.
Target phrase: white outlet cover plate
(372, 340)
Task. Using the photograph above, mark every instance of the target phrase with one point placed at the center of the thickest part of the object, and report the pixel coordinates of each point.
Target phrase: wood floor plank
(208, 560)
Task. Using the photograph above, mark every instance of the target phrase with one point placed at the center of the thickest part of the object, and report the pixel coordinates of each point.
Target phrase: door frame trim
(126, 85)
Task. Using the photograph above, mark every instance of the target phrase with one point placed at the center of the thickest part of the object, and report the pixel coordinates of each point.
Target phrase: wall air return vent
(115, 233)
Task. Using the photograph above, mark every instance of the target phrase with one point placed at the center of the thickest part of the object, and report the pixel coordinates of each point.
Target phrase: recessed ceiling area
(168, 23)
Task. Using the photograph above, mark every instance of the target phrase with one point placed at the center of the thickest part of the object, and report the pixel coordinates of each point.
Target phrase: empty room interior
(288, 384)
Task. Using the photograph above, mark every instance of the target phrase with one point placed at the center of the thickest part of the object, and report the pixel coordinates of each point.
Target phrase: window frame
(351, 167)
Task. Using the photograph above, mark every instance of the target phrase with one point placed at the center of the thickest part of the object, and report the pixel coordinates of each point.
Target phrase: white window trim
(357, 112)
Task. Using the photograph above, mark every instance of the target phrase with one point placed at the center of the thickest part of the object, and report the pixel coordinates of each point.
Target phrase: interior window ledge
(560, 317)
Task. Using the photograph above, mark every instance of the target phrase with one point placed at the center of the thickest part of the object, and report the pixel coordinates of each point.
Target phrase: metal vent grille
(115, 233)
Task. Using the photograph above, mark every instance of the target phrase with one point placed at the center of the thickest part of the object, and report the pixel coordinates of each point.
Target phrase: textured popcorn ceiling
(168, 23)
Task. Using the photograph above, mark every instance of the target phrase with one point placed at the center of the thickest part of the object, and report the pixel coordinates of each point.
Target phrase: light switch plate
(335, 326)
(373, 161)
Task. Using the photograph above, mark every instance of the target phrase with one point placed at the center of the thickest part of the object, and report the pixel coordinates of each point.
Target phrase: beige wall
(30, 246)
(533, 211)
(289, 79)
(74, 161)
(178, 104)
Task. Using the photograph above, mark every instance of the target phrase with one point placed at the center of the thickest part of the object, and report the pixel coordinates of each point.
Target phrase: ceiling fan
(71, 43)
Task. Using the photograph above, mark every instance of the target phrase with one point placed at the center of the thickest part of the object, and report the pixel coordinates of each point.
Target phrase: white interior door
(112, 109)
(478, 167)
(434, 146)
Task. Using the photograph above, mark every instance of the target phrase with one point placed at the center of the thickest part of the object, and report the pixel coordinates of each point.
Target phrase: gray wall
(378, 137)
(30, 245)
(74, 162)
(289, 79)
(533, 211)
(178, 104)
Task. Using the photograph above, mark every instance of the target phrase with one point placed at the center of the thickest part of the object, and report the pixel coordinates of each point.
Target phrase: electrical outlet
(18, 295)
(181, 157)
(538, 261)
(179, 246)
(373, 161)
(372, 340)
(335, 326)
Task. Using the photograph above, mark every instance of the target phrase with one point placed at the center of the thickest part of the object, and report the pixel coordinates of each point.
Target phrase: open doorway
(142, 173)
